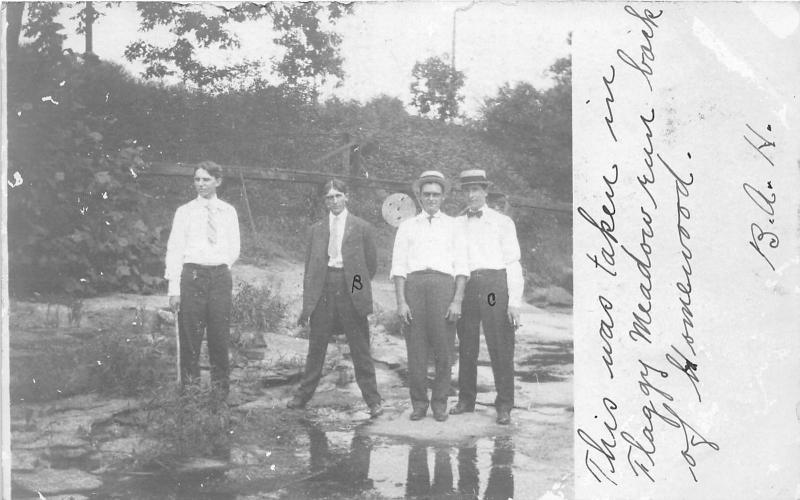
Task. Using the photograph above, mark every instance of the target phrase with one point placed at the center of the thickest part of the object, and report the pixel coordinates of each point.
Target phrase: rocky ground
(90, 446)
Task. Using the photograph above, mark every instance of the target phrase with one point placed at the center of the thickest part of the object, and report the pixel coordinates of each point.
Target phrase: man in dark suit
(341, 260)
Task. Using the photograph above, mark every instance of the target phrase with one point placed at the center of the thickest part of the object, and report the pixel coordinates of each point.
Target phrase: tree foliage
(311, 52)
(436, 88)
(535, 126)
(76, 223)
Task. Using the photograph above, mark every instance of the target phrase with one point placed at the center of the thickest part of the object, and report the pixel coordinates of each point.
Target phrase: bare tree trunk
(14, 12)
(89, 25)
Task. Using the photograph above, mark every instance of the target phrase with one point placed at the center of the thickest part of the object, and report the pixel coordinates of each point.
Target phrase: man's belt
(486, 272)
(203, 267)
(427, 272)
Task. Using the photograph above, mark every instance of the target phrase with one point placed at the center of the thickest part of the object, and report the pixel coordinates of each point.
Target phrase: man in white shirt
(492, 297)
(429, 272)
(203, 245)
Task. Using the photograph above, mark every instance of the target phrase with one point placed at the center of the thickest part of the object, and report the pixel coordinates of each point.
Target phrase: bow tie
(474, 213)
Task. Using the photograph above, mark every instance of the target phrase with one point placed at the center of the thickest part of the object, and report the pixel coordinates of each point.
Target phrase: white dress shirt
(492, 244)
(337, 222)
(422, 244)
(189, 240)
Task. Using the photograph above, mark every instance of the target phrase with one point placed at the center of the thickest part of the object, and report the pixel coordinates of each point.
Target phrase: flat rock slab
(24, 461)
(456, 428)
(200, 464)
(54, 481)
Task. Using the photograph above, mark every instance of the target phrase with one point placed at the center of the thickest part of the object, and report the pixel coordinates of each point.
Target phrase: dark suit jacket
(360, 263)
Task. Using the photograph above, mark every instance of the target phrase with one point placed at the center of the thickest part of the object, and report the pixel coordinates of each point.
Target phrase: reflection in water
(468, 482)
(501, 476)
(196, 486)
(500, 485)
(350, 473)
(418, 482)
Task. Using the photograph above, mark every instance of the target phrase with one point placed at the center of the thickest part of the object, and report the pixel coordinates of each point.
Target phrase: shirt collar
(424, 215)
(339, 218)
(213, 202)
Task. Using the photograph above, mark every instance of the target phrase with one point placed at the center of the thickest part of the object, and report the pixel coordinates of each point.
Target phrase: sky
(381, 41)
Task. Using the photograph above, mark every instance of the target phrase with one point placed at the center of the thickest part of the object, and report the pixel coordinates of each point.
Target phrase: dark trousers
(205, 309)
(335, 312)
(486, 303)
(428, 296)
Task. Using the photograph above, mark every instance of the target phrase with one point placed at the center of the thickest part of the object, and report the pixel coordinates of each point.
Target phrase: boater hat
(475, 176)
(431, 176)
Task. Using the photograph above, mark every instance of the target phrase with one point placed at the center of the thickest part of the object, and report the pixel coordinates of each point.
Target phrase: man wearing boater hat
(429, 272)
(492, 297)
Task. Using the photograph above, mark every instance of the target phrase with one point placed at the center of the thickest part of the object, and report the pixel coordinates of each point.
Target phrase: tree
(14, 19)
(312, 53)
(436, 87)
(536, 126)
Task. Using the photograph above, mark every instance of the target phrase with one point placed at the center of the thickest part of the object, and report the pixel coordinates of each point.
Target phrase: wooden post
(247, 204)
(346, 153)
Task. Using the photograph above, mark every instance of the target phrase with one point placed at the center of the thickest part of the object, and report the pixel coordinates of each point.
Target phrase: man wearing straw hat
(429, 272)
(492, 297)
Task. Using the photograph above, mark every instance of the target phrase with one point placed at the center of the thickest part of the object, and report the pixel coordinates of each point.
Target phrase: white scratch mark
(107, 94)
(272, 467)
(48, 98)
(718, 47)
(134, 174)
(63, 82)
(19, 113)
(733, 62)
(105, 195)
(17, 180)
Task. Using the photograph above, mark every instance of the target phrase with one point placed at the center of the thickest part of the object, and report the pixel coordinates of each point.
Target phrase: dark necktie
(474, 213)
(430, 219)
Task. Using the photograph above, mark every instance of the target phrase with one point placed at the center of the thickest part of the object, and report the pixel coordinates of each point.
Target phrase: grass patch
(256, 308)
(108, 363)
(189, 422)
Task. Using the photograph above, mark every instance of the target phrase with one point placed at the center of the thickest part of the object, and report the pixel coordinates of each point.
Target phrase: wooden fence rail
(306, 177)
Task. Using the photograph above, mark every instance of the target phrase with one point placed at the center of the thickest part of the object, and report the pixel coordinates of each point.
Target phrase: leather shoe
(503, 417)
(462, 408)
(375, 410)
(296, 403)
(440, 416)
(418, 413)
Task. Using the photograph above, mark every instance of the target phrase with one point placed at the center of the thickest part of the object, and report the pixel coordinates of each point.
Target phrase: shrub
(125, 366)
(256, 307)
(188, 422)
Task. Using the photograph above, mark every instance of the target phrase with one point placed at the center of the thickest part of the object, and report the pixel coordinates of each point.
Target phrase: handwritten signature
(764, 202)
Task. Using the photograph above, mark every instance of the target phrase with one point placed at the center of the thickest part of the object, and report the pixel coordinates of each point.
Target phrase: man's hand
(303, 319)
(404, 312)
(453, 311)
(174, 302)
(513, 317)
